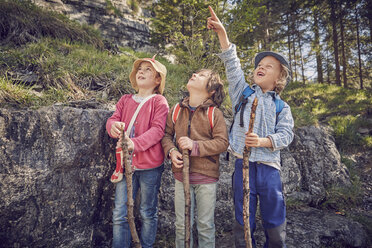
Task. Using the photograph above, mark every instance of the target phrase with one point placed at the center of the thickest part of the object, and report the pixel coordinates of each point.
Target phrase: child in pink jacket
(147, 78)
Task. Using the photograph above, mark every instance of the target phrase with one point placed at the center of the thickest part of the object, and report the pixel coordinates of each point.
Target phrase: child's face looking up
(267, 73)
(199, 81)
(146, 76)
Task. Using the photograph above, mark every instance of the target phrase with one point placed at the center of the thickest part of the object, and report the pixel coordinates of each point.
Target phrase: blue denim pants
(265, 184)
(204, 197)
(148, 184)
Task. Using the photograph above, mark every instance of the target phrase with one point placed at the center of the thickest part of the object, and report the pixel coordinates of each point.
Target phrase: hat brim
(160, 68)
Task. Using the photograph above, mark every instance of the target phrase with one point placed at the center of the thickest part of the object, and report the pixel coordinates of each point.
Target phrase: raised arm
(216, 25)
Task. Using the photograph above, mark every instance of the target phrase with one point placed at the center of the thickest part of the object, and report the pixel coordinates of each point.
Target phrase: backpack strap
(279, 105)
(243, 98)
(210, 113)
(240, 106)
(176, 112)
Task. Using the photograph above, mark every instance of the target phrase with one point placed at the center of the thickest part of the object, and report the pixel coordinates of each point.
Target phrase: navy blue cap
(278, 56)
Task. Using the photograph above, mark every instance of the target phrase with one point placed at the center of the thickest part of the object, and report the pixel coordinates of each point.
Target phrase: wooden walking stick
(130, 203)
(246, 190)
(186, 187)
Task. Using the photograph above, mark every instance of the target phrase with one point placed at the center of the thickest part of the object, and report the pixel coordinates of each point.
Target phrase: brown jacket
(211, 142)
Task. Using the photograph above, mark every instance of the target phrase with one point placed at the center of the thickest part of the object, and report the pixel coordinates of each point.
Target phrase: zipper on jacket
(191, 113)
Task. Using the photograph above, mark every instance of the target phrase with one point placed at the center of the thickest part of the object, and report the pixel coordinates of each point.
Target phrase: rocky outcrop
(114, 18)
(55, 189)
(55, 163)
(311, 164)
(309, 227)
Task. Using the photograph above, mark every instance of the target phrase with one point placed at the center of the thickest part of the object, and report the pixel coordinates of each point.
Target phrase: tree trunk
(267, 44)
(302, 60)
(186, 188)
(319, 66)
(246, 189)
(369, 14)
(335, 40)
(130, 203)
(328, 69)
(294, 55)
(289, 41)
(359, 53)
(344, 62)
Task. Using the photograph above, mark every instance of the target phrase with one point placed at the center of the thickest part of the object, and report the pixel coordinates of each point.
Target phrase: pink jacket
(148, 128)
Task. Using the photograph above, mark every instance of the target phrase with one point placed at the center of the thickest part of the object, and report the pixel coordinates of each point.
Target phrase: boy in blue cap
(272, 132)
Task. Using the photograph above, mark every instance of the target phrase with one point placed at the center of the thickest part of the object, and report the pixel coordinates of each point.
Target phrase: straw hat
(159, 67)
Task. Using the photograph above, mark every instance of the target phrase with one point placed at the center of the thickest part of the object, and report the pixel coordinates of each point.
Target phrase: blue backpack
(243, 100)
(279, 105)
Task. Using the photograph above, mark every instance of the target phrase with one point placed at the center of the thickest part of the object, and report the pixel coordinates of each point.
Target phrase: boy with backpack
(196, 124)
(272, 132)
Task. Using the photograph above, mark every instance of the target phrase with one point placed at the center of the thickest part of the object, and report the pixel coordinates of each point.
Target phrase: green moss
(24, 22)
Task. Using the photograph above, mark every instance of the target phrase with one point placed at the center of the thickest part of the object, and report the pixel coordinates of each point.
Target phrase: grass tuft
(22, 22)
(345, 110)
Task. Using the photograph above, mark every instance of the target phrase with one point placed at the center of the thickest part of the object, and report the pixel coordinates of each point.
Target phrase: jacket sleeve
(116, 116)
(167, 141)
(156, 131)
(219, 142)
(283, 130)
(234, 73)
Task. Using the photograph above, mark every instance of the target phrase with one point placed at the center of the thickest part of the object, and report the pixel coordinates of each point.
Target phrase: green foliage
(346, 131)
(182, 23)
(75, 71)
(345, 110)
(22, 22)
(62, 66)
(243, 20)
(14, 94)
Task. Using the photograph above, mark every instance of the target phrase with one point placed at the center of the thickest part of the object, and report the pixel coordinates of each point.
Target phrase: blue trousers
(265, 183)
(148, 183)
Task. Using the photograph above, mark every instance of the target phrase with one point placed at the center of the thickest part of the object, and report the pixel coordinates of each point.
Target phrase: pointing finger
(212, 13)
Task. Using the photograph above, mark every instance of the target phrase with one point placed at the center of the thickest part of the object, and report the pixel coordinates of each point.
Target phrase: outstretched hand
(213, 22)
(216, 25)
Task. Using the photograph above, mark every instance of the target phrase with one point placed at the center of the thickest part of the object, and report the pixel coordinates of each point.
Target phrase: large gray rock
(55, 169)
(55, 165)
(127, 29)
(311, 164)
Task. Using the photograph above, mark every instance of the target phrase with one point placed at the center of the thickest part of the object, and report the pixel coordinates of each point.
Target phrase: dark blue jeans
(148, 184)
(265, 184)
